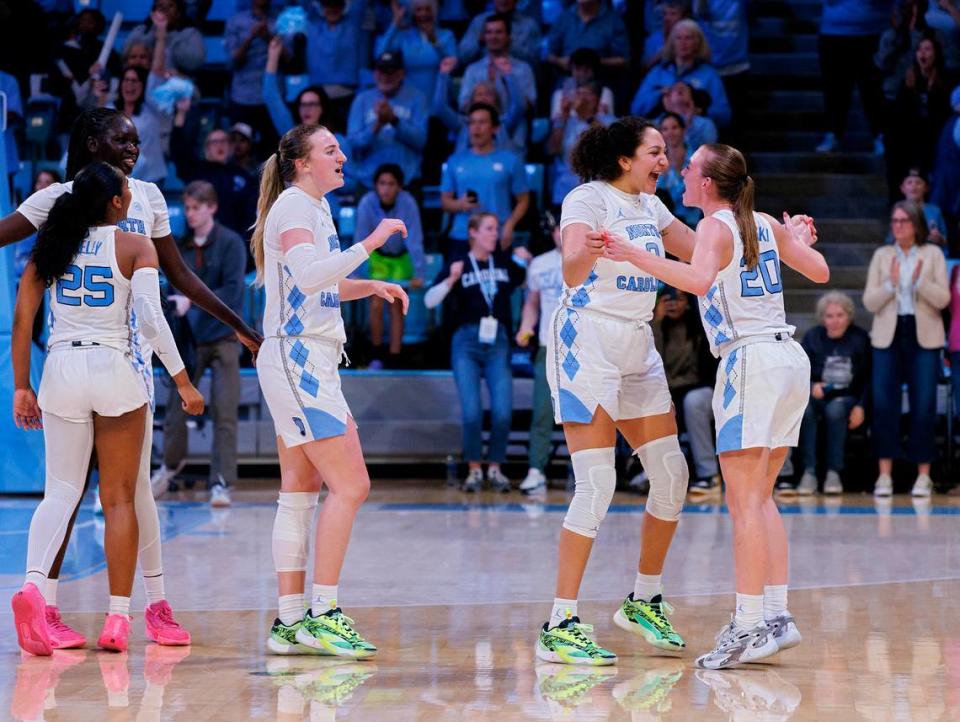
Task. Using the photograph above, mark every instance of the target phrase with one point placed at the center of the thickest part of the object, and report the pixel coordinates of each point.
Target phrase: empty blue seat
(178, 221)
(347, 223)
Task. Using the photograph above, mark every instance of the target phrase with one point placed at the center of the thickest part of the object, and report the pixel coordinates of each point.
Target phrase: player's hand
(619, 249)
(391, 292)
(857, 416)
(26, 410)
(816, 391)
(190, 399)
(800, 228)
(386, 228)
(596, 242)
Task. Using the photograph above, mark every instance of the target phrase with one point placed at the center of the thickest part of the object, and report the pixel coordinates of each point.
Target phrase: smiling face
(119, 145)
(323, 166)
(485, 236)
(648, 163)
(131, 87)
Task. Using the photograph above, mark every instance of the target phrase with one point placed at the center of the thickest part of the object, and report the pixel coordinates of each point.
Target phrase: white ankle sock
(774, 600)
(562, 609)
(749, 610)
(38, 579)
(153, 586)
(646, 586)
(49, 590)
(324, 598)
(290, 608)
(119, 605)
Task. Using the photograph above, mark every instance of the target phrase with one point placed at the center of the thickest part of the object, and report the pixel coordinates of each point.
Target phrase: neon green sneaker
(335, 685)
(649, 620)
(283, 639)
(332, 633)
(567, 687)
(568, 643)
(651, 690)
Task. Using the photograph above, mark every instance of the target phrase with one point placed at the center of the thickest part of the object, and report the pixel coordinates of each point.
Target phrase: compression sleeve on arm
(145, 286)
(313, 273)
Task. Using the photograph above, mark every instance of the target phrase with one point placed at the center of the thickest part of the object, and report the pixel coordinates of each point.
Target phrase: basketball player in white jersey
(298, 257)
(105, 134)
(763, 381)
(93, 390)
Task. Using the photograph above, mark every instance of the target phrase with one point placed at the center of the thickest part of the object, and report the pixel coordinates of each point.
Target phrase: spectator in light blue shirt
(589, 24)
(334, 46)
(399, 260)
(687, 58)
(724, 22)
(483, 179)
(423, 44)
(388, 123)
(246, 38)
(495, 67)
(671, 12)
(524, 30)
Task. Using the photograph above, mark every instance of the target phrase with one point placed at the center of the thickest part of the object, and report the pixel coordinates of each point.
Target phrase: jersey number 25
(93, 279)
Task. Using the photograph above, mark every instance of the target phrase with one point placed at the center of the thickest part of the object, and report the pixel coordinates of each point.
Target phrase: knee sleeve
(667, 470)
(596, 480)
(291, 530)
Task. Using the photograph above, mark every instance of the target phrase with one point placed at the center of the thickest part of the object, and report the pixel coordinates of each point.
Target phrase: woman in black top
(477, 290)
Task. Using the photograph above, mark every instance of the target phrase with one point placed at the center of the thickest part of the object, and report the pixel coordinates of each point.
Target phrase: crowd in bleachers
(450, 108)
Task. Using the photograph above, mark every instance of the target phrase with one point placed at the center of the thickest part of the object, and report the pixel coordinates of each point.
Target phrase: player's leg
(119, 442)
(325, 628)
(68, 445)
(775, 611)
(562, 638)
(296, 507)
(644, 611)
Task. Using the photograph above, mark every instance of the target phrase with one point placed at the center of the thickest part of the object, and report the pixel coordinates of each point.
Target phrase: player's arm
(14, 227)
(187, 282)
(26, 411)
(679, 239)
(581, 247)
(794, 243)
(713, 247)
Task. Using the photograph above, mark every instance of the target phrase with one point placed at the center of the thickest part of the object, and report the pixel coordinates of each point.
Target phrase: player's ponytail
(596, 156)
(727, 169)
(275, 174)
(60, 237)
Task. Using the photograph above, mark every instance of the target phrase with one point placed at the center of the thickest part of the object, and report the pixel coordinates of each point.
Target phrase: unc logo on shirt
(329, 299)
(132, 225)
(333, 241)
(136, 206)
(637, 284)
(639, 230)
(498, 167)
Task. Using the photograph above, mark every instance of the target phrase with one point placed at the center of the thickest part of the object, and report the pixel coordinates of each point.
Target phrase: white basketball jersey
(90, 302)
(290, 311)
(745, 302)
(613, 288)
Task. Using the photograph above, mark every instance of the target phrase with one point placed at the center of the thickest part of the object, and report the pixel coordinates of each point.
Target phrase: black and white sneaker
(704, 486)
(474, 482)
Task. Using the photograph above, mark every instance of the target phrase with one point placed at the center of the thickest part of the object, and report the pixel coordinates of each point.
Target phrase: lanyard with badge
(488, 288)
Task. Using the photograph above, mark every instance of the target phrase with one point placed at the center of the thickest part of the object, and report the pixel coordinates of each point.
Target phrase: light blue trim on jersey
(730, 436)
(573, 409)
(324, 425)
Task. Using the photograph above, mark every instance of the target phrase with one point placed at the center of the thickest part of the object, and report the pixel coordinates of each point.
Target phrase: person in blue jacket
(687, 58)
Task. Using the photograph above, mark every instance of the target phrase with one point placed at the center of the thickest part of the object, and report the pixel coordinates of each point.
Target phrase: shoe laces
(54, 620)
(579, 632)
(660, 611)
(165, 615)
(343, 624)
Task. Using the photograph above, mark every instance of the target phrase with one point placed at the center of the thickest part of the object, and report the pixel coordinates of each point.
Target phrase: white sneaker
(808, 484)
(829, 144)
(498, 481)
(160, 481)
(219, 495)
(534, 484)
(474, 481)
(832, 484)
(883, 485)
(923, 486)
(736, 646)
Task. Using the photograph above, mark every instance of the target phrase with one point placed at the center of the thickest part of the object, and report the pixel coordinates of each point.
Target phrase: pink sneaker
(30, 620)
(116, 677)
(62, 636)
(116, 632)
(162, 628)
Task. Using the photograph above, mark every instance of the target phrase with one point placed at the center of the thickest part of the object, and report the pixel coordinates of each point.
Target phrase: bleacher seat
(23, 180)
(178, 221)
(347, 224)
(216, 51)
(172, 184)
(222, 10)
(539, 130)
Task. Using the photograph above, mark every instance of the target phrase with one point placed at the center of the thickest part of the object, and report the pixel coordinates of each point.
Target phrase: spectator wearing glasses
(906, 291)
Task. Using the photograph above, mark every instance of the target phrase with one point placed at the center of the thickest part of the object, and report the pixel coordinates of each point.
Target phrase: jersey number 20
(767, 271)
(93, 279)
